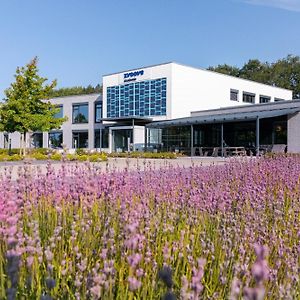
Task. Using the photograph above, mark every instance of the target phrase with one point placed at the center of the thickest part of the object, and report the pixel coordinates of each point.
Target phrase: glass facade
(177, 138)
(60, 113)
(104, 138)
(55, 139)
(80, 113)
(98, 112)
(37, 140)
(80, 139)
(145, 98)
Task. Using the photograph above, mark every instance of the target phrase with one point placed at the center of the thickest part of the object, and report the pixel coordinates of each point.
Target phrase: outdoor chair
(215, 152)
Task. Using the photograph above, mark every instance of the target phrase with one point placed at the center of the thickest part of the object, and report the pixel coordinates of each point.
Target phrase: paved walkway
(115, 164)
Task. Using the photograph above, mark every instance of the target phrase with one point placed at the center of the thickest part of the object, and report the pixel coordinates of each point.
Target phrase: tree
(25, 108)
(76, 90)
(284, 73)
(226, 69)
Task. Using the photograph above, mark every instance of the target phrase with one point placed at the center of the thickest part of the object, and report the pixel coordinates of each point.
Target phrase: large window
(60, 113)
(80, 113)
(37, 140)
(264, 99)
(98, 112)
(234, 95)
(101, 134)
(145, 98)
(80, 139)
(55, 139)
(248, 97)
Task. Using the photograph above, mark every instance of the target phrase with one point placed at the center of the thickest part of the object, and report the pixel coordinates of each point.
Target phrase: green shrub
(80, 151)
(14, 157)
(94, 158)
(3, 157)
(97, 157)
(71, 157)
(39, 156)
(82, 157)
(56, 156)
(159, 155)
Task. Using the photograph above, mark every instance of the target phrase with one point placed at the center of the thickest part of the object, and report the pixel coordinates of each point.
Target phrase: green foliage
(14, 157)
(82, 157)
(39, 156)
(284, 73)
(80, 151)
(56, 156)
(71, 157)
(24, 109)
(76, 90)
(158, 155)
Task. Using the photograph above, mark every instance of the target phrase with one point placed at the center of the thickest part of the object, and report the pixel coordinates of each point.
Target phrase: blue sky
(77, 41)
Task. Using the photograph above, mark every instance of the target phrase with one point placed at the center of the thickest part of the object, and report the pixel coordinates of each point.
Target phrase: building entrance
(122, 140)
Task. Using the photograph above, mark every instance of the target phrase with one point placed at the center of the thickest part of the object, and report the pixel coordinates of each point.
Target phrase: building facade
(134, 98)
(134, 102)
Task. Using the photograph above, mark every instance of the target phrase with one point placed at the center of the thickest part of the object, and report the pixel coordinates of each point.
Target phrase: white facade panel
(195, 89)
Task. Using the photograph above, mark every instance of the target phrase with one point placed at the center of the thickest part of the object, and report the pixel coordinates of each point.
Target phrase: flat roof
(230, 116)
(197, 68)
(143, 67)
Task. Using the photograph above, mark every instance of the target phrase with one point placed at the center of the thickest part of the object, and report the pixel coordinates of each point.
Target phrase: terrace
(244, 130)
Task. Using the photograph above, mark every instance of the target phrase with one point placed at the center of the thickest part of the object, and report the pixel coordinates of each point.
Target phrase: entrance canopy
(226, 117)
(136, 120)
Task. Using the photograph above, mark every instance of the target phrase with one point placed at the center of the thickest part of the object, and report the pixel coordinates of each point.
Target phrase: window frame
(236, 92)
(264, 97)
(249, 95)
(76, 106)
(101, 114)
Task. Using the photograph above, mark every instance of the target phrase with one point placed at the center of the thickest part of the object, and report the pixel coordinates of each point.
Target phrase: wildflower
(134, 284)
(50, 283)
(96, 291)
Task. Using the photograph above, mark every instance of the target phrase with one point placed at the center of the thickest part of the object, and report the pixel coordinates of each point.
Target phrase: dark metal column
(100, 137)
(146, 139)
(222, 139)
(192, 140)
(257, 136)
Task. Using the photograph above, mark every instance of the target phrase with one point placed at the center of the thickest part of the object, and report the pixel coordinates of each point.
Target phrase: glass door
(122, 140)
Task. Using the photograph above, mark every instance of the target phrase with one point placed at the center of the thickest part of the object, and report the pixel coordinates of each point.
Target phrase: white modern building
(134, 98)
(158, 107)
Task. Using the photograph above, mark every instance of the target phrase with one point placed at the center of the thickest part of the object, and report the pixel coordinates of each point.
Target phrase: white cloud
(292, 5)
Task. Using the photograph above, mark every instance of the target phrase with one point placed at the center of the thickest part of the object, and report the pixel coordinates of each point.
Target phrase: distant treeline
(284, 73)
(76, 90)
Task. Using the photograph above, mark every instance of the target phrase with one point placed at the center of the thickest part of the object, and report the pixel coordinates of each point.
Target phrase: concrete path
(117, 164)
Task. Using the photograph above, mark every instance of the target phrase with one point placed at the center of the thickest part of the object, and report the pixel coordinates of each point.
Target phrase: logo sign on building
(132, 76)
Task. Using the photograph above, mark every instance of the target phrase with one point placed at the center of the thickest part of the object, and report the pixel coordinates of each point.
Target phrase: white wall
(68, 126)
(293, 132)
(195, 89)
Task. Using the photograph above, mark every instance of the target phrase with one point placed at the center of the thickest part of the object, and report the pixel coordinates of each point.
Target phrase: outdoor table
(234, 151)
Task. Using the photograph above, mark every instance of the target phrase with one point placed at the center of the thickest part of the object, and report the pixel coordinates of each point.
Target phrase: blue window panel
(140, 98)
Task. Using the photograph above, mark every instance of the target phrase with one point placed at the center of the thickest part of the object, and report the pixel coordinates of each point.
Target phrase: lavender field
(219, 232)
